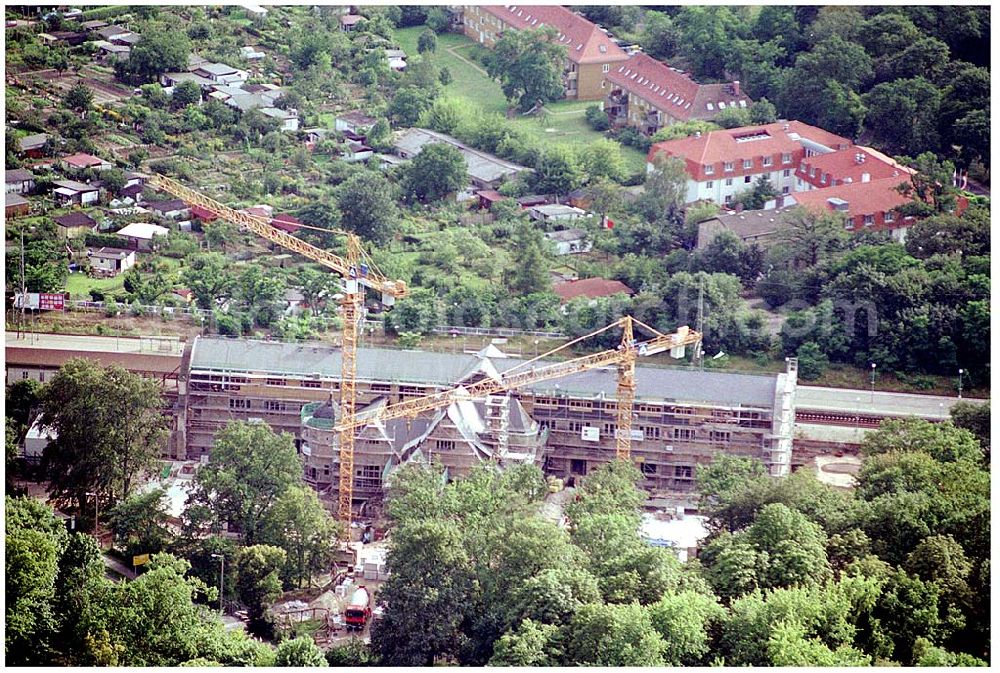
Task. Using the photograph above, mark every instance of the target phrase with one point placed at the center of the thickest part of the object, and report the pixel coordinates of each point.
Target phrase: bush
(598, 118)
(813, 362)
(227, 325)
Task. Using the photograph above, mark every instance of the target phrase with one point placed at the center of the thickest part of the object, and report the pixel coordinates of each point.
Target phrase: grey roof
(189, 77)
(480, 165)
(129, 38)
(111, 31)
(446, 369)
(12, 199)
(33, 141)
(18, 175)
(217, 69)
(74, 185)
(566, 235)
(749, 224)
(247, 102)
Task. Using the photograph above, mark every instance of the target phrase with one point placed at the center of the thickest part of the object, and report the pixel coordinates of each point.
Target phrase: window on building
(710, 169)
(648, 469)
(710, 184)
(446, 445)
(275, 382)
(785, 190)
(651, 432)
(547, 423)
(238, 403)
(786, 158)
(683, 472)
(577, 466)
(728, 166)
(787, 173)
(575, 426)
(274, 405)
(768, 161)
(729, 182)
(683, 433)
(719, 436)
(729, 198)
(825, 179)
(747, 178)
(311, 383)
(869, 220)
(609, 429)
(889, 216)
(747, 164)
(381, 388)
(24, 375)
(606, 67)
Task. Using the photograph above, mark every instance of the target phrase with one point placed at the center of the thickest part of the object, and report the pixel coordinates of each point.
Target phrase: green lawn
(565, 125)
(79, 285)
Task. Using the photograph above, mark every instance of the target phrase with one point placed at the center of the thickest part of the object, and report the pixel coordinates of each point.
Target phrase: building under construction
(682, 417)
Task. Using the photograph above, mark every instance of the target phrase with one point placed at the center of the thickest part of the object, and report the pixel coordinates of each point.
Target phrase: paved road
(97, 344)
(886, 404)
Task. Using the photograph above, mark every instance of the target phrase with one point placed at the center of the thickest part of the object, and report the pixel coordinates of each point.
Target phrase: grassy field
(79, 285)
(565, 125)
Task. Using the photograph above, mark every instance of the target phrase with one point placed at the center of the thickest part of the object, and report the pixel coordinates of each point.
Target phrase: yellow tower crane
(623, 357)
(358, 271)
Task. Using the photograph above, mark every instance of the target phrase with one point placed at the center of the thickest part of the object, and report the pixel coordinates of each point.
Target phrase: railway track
(841, 418)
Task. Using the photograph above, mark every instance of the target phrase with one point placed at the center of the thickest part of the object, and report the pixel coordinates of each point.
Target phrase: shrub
(598, 118)
(812, 361)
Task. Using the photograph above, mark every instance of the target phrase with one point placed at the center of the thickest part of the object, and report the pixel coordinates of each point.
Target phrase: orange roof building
(867, 205)
(646, 94)
(590, 52)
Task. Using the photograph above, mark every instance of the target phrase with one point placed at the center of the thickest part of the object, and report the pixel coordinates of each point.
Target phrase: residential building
(141, 235)
(15, 205)
(69, 192)
(552, 213)
(76, 163)
(107, 51)
(750, 226)
(75, 224)
(486, 171)
(853, 164)
(356, 122)
(172, 79)
(590, 52)
(125, 39)
(220, 73)
(110, 32)
(287, 223)
(721, 163)
(683, 417)
(647, 95)
(866, 206)
(18, 181)
(91, 26)
(396, 59)
(570, 241)
(32, 145)
(591, 288)
(110, 262)
(172, 208)
(348, 22)
(288, 120)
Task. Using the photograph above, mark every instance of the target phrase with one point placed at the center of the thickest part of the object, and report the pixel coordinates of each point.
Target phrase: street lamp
(94, 493)
(857, 416)
(873, 384)
(222, 577)
(960, 371)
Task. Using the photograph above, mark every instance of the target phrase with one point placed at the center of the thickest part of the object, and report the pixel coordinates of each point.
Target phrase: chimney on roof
(866, 177)
(785, 127)
(697, 134)
(736, 88)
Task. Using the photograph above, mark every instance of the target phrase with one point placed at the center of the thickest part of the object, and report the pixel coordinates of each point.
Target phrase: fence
(495, 332)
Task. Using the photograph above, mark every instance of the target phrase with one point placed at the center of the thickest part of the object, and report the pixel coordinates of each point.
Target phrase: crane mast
(623, 357)
(357, 276)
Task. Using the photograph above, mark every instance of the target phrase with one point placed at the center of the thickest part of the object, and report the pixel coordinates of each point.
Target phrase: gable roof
(217, 69)
(566, 235)
(143, 230)
(111, 31)
(584, 41)
(32, 142)
(83, 160)
(286, 222)
(167, 206)
(75, 219)
(673, 91)
(12, 199)
(590, 287)
(18, 175)
(863, 198)
(75, 186)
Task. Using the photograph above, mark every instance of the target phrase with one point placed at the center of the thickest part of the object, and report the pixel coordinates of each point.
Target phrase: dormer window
(786, 158)
(747, 164)
(767, 161)
(728, 166)
(889, 216)
(869, 220)
(709, 169)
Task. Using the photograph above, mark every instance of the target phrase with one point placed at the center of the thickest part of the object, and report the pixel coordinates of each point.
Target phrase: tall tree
(208, 277)
(367, 206)
(258, 582)
(109, 428)
(299, 653)
(531, 273)
(528, 64)
(437, 171)
(162, 49)
(301, 525)
(251, 468)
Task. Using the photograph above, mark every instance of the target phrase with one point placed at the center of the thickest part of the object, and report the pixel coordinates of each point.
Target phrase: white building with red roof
(868, 205)
(590, 52)
(647, 95)
(74, 163)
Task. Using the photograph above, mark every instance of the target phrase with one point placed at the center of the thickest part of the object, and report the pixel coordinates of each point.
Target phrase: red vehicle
(359, 611)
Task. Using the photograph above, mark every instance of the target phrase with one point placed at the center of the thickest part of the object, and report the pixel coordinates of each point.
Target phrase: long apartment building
(683, 417)
(590, 53)
(647, 95)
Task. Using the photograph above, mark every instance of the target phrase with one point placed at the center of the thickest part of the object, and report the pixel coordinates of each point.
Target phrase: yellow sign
(141, 559)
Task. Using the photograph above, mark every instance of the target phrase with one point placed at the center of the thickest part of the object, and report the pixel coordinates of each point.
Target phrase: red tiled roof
(350, 19)
(845, 167)
(584, 41)
(203, 214)
(82, 160)
(490, 195)
(746, 142)
(863, 198)
(286, 222)
(673, 91)
(590, 287)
